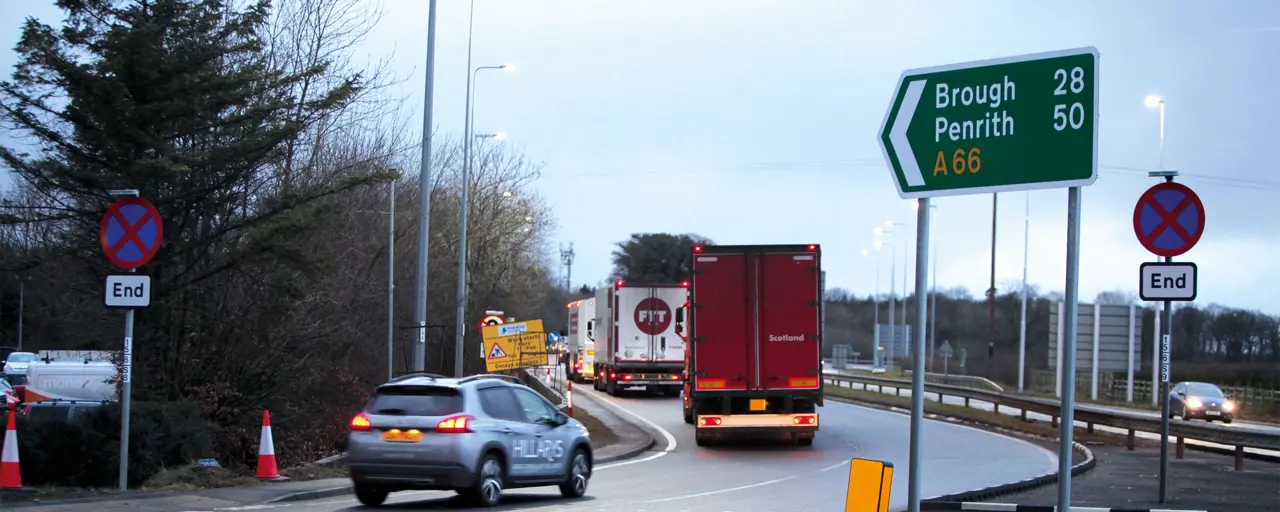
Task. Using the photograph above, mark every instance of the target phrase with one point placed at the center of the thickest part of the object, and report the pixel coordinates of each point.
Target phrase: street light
(893, 271)
(1154, 101)
(906, 252)
(875, 331)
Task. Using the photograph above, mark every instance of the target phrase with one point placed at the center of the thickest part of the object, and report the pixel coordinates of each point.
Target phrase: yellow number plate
(402, 436)
(759, 404)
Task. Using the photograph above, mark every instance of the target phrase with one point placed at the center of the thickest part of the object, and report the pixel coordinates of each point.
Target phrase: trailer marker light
(813, 247)
(697, 248)
(805, 420)
(684, 284)
(618, 283)
(626, 377)
(709, 421)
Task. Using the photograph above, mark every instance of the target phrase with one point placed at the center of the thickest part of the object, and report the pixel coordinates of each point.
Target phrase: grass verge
(601, 434)
(989, 419)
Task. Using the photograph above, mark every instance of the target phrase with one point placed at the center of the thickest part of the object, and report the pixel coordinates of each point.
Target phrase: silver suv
(476, 435)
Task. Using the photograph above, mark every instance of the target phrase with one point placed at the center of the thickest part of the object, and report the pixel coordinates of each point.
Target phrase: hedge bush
(84, 452)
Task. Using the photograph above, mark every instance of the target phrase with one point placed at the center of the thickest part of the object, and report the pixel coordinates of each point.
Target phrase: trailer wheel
(688, 416)
(612, 387)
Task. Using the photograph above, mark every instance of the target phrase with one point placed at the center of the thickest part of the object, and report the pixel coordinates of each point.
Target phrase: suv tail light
(455, 424)
(360, 423)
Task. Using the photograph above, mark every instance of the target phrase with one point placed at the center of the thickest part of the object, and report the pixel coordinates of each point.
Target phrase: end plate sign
(1168, 281)
(128, 291)
(1018, 123)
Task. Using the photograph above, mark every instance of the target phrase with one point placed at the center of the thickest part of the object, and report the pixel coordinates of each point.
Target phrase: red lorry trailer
(755, 331)
(642, 346)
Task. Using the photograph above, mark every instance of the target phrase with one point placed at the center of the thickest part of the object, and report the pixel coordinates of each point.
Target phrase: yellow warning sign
(514, 346)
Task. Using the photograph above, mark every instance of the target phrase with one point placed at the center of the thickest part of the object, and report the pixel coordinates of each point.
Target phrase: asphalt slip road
(761, 476)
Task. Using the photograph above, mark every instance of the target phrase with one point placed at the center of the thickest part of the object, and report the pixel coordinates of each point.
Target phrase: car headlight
(1228, 406)
(1194, 404)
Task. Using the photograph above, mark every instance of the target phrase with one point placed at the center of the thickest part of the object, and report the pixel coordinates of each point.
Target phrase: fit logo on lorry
(786, 337)
(653, 316)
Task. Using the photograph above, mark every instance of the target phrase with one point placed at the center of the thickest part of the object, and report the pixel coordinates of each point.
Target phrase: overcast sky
(750, 121)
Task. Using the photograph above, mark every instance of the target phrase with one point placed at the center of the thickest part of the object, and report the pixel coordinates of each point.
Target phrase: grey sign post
(940, 138)
(946, 354)
(131, 233)
(1168, 220)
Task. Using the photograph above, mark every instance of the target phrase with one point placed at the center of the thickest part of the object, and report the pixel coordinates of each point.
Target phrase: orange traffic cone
(10, 475)
(267, 451)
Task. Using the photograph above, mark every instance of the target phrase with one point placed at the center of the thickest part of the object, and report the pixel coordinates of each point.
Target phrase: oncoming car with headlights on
(476, 435)
(1202, 400)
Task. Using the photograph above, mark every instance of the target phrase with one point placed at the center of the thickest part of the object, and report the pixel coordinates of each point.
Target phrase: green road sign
(1018, 123)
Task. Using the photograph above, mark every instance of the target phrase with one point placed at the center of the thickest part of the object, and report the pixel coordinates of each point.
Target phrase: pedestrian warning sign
(496, 352)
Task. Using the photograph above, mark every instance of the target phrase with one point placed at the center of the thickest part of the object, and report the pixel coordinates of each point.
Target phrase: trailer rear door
(722, 323)
(789, 295)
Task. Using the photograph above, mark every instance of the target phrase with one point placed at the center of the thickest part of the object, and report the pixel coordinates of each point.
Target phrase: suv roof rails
(432, 376)
(509, 378)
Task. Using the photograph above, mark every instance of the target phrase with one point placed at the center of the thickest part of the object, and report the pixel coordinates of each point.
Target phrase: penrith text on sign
(1167, 281)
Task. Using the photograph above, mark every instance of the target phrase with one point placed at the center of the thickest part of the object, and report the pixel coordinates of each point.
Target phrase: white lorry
(582, 341)
(639, 343)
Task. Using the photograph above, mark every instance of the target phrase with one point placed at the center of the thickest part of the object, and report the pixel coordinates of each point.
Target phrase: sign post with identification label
(130, 234)
(1168, 220)
(1167, 281)
(1018, 123)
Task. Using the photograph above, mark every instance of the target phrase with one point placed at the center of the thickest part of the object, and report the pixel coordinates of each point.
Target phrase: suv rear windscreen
(416, 401)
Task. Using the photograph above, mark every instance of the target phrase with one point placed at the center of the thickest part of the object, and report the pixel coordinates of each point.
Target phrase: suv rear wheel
(579, 475)
(370, 496)
(488, 488)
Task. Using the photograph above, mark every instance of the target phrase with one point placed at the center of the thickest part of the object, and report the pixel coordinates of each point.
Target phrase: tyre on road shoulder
(579, 475)
(370, 496)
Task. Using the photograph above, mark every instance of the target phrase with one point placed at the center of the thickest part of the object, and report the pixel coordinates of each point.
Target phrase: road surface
(761, 476)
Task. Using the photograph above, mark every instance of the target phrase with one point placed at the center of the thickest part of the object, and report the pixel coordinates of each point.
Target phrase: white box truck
(640, 345)
(580, 365)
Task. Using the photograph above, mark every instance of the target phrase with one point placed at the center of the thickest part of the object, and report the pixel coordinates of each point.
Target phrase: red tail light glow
(813, 247)
(675, 377)
(613, 375)
(697, 248)
(455, 425)
(626, 377)
(360, 423)
(709, 421)
(805, 420)
(618, 283)
(684, 284)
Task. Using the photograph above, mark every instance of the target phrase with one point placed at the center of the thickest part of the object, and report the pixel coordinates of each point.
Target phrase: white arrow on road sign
(898, 134)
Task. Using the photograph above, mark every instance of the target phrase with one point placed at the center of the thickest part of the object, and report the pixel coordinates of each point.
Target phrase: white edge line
(1053, 457)
(671, 440)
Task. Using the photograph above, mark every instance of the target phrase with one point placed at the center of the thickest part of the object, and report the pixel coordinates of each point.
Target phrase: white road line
(743, 487)
(671, 440)
(1051, 466)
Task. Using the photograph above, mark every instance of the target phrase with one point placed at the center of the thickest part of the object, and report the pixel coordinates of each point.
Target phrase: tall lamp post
(893, 271)
(875, 299)
(1165, 342)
